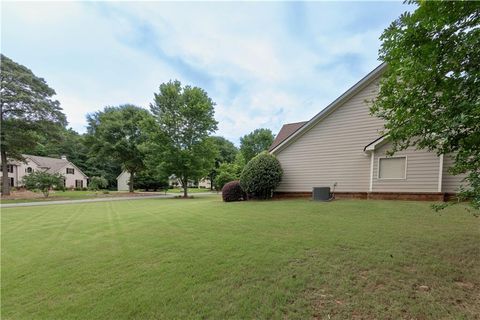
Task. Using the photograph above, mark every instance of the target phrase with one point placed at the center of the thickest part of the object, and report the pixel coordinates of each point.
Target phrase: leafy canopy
(43, 181)
(225, 173)
(226, 154)
(185, 118)
(430, 93)
(116, 134)
(27, 112)
(255, 142)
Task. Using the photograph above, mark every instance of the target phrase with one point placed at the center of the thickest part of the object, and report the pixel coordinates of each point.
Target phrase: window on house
(70, 171)
(12, 182)
(29, 170)
(78, 183)
(392, 168)
(10, 168)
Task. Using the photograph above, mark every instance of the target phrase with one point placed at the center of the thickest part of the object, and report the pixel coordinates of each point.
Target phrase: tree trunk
(211, 181)
(5, 179)
(185, 187)
(130, 184)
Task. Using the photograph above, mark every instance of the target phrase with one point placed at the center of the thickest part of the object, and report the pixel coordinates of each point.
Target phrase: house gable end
(331, 108)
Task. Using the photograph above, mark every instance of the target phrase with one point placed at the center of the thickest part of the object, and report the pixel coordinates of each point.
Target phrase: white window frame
(386, 157)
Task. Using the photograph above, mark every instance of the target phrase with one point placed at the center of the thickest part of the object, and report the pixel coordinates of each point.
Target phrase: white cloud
(263, 63)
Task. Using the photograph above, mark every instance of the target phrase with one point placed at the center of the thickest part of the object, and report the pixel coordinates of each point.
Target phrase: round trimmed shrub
(261, 176)
(232, 191)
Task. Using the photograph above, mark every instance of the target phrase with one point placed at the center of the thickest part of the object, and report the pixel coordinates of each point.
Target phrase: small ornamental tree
(225, 173)
(97, 183)
(232, 191)
(261, 176)
(43, 181)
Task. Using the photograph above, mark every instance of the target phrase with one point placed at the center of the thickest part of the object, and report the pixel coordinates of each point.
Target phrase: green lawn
(205, 259)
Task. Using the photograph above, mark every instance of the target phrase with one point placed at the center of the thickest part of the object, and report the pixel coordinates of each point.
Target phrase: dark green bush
(232, 191)
(261, 176)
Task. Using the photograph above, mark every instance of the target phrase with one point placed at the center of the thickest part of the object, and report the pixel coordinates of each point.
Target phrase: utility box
(321, 193)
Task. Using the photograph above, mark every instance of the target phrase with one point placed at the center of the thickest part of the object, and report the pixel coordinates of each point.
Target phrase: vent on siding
(321, 193)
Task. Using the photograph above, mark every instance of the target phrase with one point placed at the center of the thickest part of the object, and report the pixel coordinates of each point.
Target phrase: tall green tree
(27, 112)
(69, 143)
(116, 134)
(255, 142)
(185, 116)
(226, 154)
(430, 93)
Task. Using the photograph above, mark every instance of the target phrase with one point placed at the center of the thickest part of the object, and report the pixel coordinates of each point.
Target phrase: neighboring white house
(124, 178)
(74, 177)
(205, 183)
(343, 146)
(202, 183)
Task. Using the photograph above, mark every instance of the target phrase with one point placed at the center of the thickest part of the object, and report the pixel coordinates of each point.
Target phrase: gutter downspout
(440, 173)
(372, 156)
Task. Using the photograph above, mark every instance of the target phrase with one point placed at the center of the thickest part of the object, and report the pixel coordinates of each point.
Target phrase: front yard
(202, 258)
(28, 196)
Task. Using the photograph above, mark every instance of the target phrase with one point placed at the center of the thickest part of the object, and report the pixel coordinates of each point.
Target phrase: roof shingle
(286, 131)
(51, 165)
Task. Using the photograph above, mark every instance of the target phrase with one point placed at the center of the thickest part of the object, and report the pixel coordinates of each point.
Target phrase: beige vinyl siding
(422, 170)
(332, 150)
(451, 183)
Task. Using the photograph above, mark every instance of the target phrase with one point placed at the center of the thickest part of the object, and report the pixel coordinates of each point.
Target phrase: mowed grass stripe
(202, 258)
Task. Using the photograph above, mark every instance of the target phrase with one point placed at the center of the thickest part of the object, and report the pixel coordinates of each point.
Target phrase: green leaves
(429, 95)
(117, 134)
(255, 142)
(261, 176)
(43, 181)
(27, 111)
(96, 183)
(185, 118)
(27, 108)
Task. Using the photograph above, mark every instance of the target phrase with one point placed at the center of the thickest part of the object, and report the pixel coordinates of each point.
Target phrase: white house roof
(51, 165)
(332, 106)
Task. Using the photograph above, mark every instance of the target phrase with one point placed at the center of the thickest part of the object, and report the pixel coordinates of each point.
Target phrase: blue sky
(263, 63)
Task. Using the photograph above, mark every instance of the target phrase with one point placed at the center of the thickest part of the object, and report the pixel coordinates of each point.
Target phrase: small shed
(122, 181)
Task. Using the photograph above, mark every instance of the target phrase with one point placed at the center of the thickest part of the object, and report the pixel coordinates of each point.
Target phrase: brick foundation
(427, 196)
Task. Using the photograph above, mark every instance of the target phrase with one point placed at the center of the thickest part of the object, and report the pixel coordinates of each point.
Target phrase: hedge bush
(261, 176)
(232, 191)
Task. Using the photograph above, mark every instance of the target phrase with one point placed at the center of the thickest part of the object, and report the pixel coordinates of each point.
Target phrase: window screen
(392, 168)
